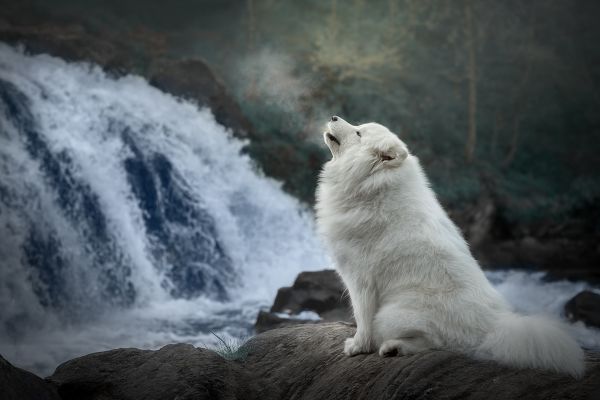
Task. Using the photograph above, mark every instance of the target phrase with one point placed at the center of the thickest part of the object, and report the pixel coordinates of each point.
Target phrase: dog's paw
(353, 347)
(391, 348)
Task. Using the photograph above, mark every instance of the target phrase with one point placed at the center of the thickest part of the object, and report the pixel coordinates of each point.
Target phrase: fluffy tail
(533, 342)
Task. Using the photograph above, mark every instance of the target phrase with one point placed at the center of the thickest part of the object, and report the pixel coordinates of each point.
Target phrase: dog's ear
(392, 156)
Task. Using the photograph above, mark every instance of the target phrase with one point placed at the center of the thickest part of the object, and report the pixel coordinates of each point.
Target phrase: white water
(267, 237)
(267, 234)
(529, 294)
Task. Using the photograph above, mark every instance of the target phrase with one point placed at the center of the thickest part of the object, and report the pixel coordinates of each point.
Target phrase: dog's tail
(533, 342)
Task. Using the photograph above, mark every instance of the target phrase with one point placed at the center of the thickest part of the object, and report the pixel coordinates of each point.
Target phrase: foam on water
(129, 218)
(530, 294)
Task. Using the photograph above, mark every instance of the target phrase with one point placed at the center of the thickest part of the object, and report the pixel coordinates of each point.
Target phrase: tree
(471, 82)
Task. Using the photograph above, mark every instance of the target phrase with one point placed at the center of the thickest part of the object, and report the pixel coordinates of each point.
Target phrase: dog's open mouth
(332, 138)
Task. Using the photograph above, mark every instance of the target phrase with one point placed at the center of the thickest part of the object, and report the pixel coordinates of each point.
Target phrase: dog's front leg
(364, 303)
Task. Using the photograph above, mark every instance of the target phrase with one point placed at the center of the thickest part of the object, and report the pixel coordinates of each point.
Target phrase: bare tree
(471, 82)
(251, 45)
(520, 101)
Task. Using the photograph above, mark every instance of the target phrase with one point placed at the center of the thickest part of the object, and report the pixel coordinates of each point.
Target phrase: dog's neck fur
(366, 189)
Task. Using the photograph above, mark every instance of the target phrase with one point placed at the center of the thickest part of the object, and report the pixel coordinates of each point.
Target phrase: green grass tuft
(233, 349)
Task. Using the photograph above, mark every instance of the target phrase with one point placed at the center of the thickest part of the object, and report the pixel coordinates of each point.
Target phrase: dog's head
(370, 147)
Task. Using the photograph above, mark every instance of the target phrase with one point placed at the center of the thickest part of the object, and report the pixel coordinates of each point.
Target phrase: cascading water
(129, 218)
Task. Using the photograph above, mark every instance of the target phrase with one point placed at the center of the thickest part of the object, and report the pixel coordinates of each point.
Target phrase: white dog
(412, 280)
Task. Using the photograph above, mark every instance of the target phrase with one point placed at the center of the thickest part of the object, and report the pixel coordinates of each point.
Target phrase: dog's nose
(334, 118)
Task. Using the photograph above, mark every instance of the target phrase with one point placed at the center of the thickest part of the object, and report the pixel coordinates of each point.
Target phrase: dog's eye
(358, 133)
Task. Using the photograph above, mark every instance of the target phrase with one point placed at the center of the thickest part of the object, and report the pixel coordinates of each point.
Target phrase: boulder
(320, 291)
(18, 384)
(177, 371)
(584, 307)
(306, 362)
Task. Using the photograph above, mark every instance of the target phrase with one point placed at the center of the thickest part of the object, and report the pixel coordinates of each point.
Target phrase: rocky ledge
(296, 362)
(323, 293)
(18, 384)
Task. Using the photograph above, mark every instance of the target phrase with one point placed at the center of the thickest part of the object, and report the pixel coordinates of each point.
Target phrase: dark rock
(193, 80)
(564, 248)
(179, 371)
(18, 384)
(318, 291)
(549, 255)
(585, 307)
(306, 362)
(268, 320)
(68, 40)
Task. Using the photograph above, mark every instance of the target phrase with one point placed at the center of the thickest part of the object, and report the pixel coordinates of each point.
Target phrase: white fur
(412, 280)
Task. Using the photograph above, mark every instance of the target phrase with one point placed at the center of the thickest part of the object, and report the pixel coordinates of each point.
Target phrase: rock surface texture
(320, 291)
(18, 384)
(177, 371)
(306, 362)
(584, 307)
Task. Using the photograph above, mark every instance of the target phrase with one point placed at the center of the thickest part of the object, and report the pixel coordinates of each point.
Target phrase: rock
(547, 255)
(18, 384)
(585, 307)
(69, 40)
(178, 371)
(306, 362)
(193, 80)
(268, 320)
(318, 291)
(564, 248)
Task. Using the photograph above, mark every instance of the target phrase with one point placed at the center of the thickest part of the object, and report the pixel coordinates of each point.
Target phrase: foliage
(232, 349)
(406, 64)
(493, 96)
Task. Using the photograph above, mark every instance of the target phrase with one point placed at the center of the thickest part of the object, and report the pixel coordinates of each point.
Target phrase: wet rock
(18, 384)
(306, 362)
(584, 307)
(191, 79)
(69, 40)
(320, 291)
(179, 371)
(268, 320)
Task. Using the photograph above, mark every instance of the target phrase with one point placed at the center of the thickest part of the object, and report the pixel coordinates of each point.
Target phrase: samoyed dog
(413, 282)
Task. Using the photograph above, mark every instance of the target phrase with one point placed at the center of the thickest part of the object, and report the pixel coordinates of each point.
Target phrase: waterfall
(130, 218)
(125, 211)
